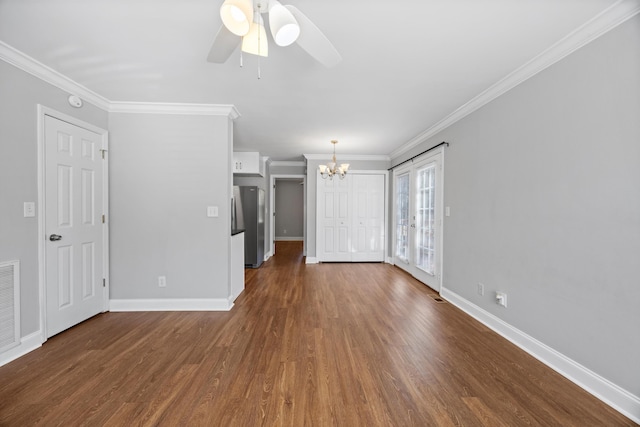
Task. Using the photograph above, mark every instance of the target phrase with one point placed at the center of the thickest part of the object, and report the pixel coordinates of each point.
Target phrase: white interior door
(368, 218)
(333, 219)
(418, 219)
(73, 224)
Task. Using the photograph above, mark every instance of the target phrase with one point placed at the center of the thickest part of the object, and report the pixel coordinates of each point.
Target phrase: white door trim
(41, 113)
(272, 208)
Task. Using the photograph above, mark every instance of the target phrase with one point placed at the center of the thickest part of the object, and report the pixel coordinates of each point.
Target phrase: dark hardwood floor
(318, 345)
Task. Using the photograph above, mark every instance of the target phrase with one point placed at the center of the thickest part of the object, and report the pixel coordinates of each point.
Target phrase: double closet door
(417, 219)
(350, 218)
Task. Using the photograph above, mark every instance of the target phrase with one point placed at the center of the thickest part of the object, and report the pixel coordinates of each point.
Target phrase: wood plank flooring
(305, 345)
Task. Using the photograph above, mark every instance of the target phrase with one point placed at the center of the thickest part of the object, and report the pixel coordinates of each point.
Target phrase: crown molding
(174, 108)
(29, 65)
(370, 157)
(12, 56)
(610, 18)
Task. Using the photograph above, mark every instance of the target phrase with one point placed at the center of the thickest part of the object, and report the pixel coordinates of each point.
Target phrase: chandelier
(332, 168)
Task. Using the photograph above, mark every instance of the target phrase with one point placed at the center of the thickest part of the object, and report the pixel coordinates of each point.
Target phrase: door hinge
(104, 283)
(102, 151)
(103, 219)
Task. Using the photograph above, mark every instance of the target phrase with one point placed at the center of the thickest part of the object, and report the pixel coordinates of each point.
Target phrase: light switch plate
(29, 209)
(501, 298)
(212, 211)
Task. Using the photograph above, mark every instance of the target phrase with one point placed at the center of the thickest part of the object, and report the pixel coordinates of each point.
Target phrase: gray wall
(165, 170)
(20, 93)
(289, 207)
(277, 169)
(544, 189)
(312, 178)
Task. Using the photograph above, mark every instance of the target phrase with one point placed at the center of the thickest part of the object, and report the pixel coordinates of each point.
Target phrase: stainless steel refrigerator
(249, 213)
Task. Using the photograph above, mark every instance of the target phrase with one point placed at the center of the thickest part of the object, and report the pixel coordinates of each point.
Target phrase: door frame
(438, 155)
(272, 209)
(43, 111)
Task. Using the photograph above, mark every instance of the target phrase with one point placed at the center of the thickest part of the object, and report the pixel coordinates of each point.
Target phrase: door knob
(55, 237)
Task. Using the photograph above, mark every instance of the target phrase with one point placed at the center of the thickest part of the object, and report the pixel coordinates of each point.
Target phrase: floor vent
(9, 304)
(437, 299)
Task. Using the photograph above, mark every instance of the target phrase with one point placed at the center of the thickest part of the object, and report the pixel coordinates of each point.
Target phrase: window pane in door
(402, 217)
(425, 219)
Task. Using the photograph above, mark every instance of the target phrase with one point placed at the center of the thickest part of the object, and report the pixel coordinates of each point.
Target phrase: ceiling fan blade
(314, 41)
(223, 46)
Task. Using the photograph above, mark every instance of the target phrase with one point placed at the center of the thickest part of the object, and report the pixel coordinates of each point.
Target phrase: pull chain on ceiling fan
(243, 18)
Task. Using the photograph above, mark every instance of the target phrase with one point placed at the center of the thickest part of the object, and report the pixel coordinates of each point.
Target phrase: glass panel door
(417, 219)
(402, 217)
(425, 218)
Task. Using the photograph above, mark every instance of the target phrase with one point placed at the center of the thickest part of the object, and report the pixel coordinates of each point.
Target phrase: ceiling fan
(242, 23)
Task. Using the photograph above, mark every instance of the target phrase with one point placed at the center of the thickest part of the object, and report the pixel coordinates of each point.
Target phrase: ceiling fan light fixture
(284, 27)
(255, 42)
(237, 16)
(287, 25)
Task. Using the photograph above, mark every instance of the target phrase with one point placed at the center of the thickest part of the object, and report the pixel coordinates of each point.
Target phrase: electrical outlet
(212, 211)
(162, 281)
(480, 289)
(501, 298)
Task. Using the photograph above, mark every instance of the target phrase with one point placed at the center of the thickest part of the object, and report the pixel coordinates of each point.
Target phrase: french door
(418, 219)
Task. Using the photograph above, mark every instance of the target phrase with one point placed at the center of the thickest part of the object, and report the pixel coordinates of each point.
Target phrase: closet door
(333, 219)
(368, 217)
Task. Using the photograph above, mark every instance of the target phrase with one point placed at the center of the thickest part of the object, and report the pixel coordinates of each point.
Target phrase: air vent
(9, 304)
(437, 299)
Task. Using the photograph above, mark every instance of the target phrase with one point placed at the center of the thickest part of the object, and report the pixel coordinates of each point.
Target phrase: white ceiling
(407, 64)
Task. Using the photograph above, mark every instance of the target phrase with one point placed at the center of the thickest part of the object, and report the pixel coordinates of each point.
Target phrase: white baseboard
(289, 239)
(178, 304)
(311, 260)
(27, 344)
(267, 256)
(621, 400)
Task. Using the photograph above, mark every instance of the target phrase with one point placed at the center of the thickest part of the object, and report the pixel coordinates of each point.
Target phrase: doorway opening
(288, 210)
